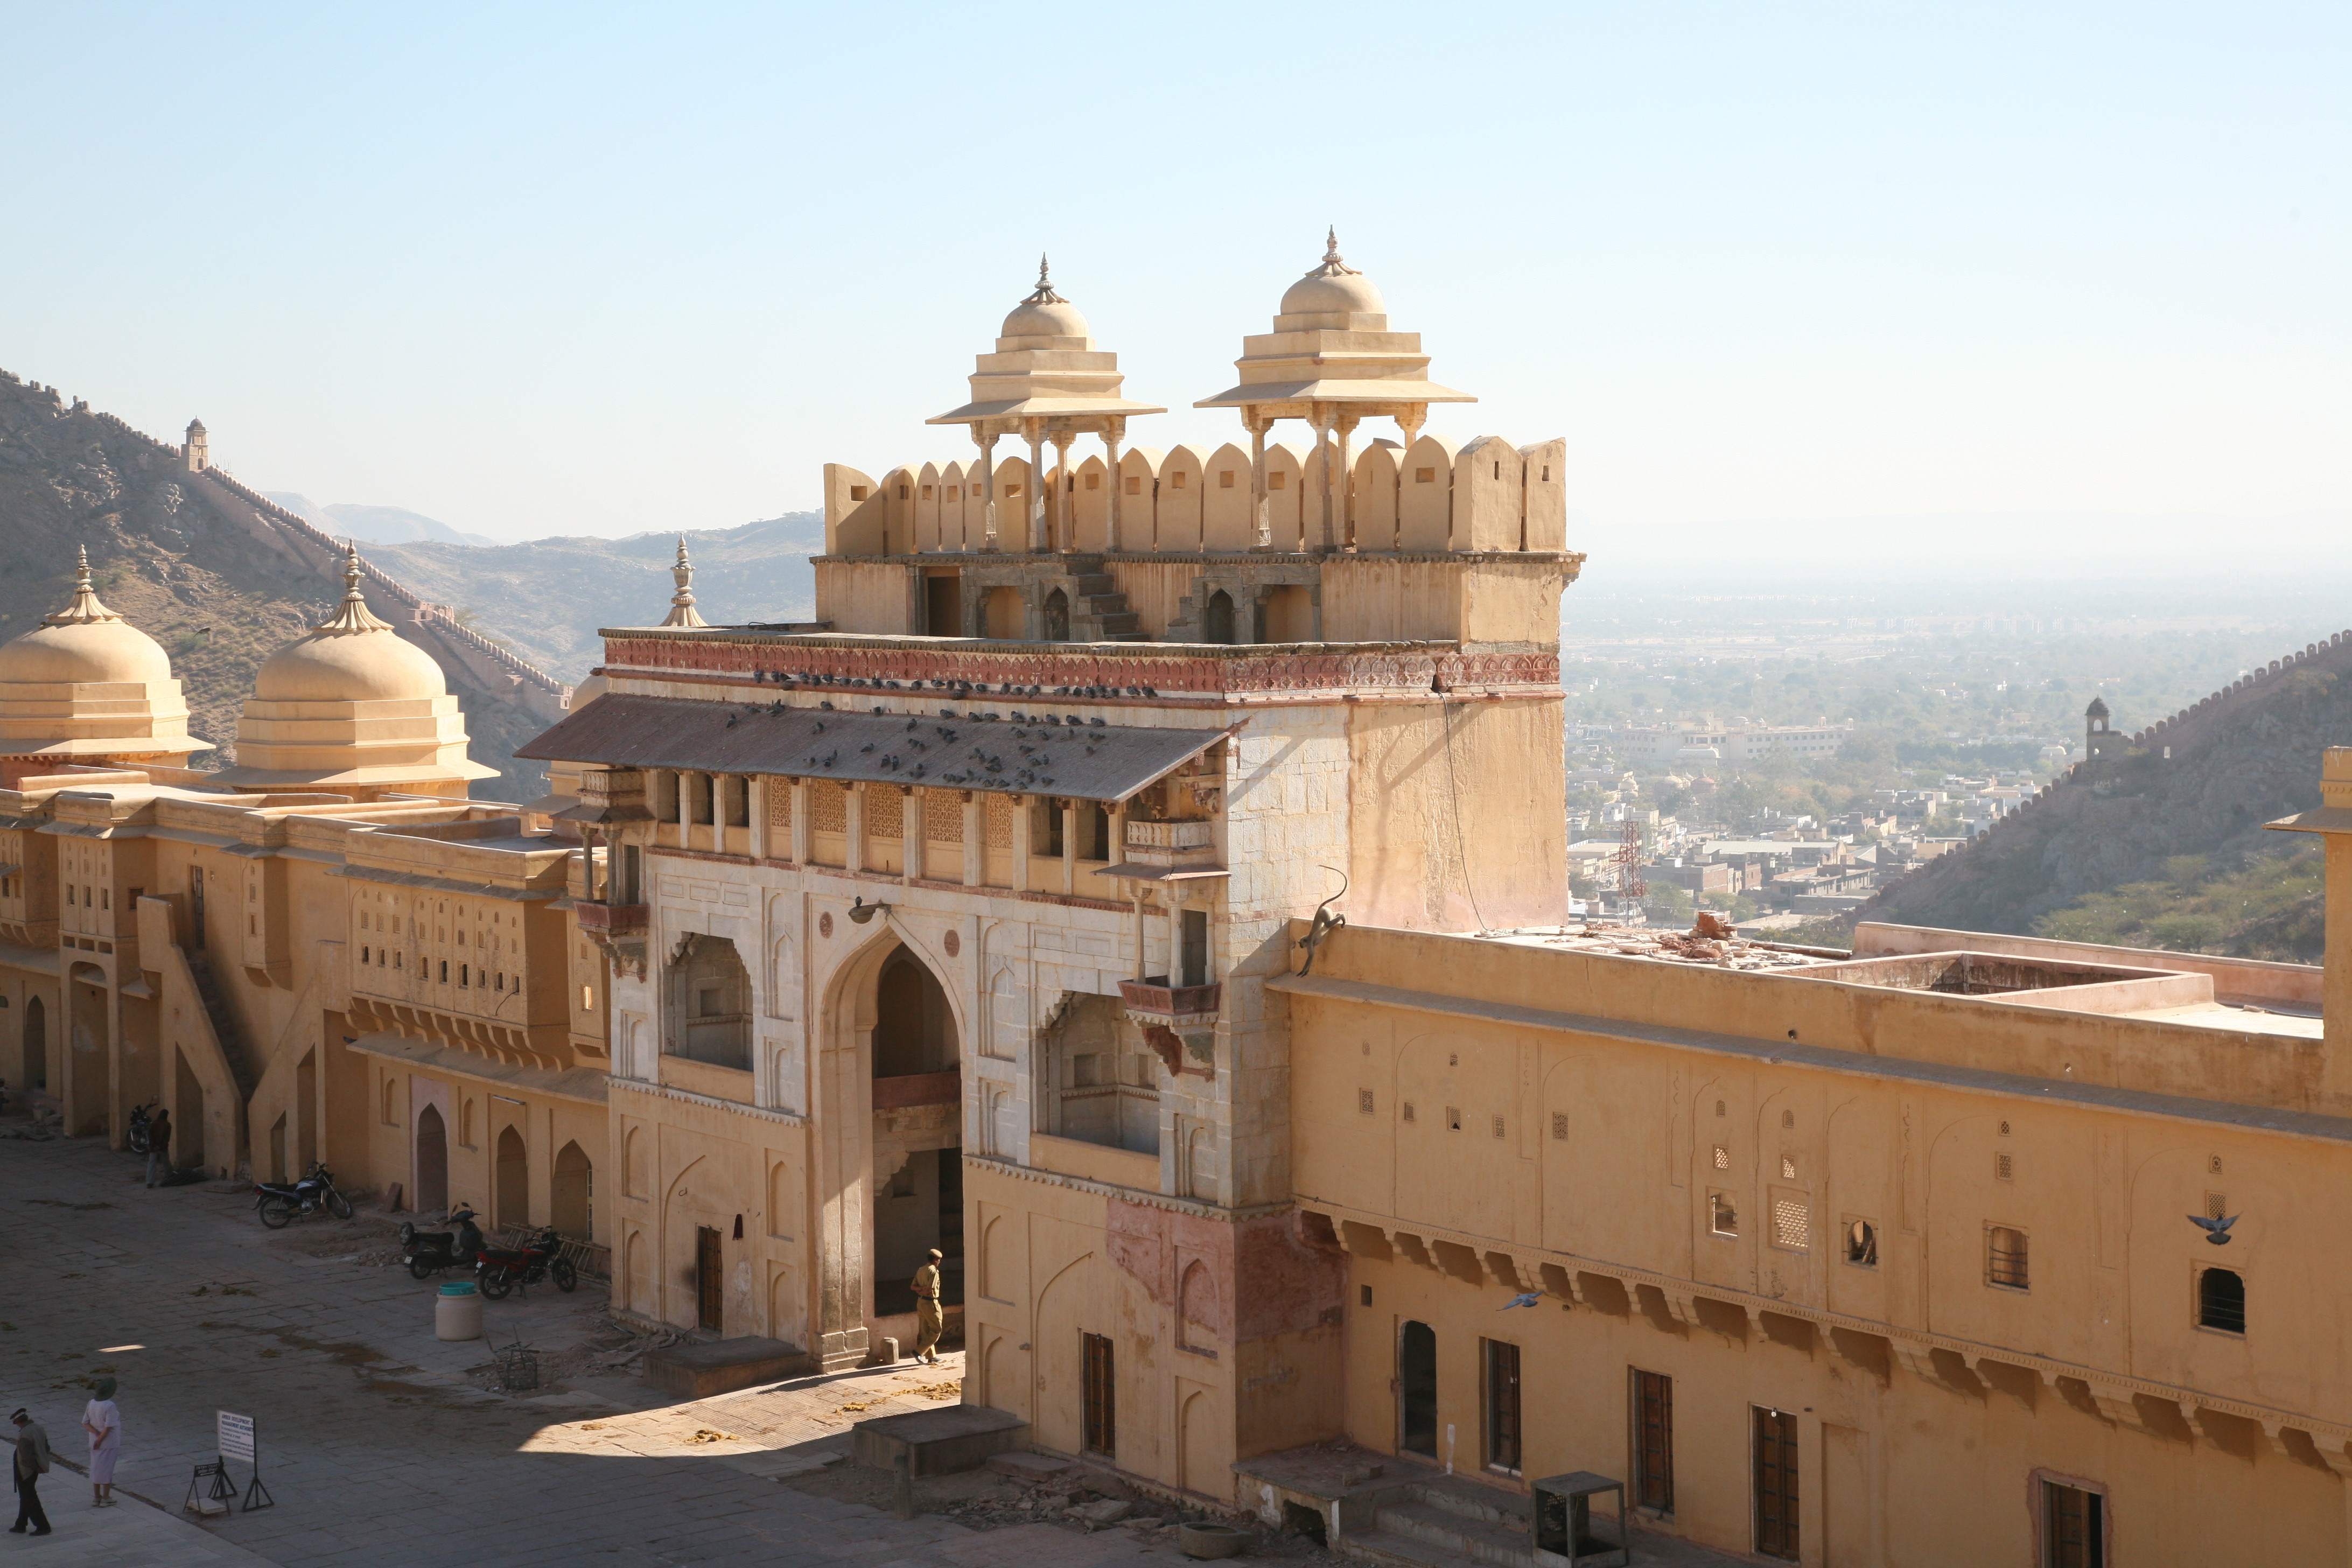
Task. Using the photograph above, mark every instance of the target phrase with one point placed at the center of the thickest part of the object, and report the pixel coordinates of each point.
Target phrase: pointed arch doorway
(918, 1138)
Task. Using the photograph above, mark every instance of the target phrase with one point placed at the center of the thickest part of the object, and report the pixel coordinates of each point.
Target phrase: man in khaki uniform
(928, 1320)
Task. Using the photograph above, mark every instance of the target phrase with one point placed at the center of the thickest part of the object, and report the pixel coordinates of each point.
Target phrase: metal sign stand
(221, 1492)
(236, 1441)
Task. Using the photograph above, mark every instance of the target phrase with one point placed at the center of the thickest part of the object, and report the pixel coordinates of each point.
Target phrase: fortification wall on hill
(466, 655)
(2199, 782)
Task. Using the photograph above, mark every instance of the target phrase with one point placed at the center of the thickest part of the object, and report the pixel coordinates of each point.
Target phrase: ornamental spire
(682, 612)
(1332, 266)
(1045, 294)
(353, 616)
(83, 608)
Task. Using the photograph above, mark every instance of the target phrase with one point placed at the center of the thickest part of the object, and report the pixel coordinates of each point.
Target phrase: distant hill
(548, 597)
(219, 575)
(2108, 839)
(374, 524)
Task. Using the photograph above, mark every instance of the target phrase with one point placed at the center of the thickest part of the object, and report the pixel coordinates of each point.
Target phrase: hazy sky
(2043, 272)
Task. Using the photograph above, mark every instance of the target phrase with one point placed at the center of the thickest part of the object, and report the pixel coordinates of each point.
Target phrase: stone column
(975, 840)
(1321, 419)
(914, 835)
(1036, 532)
(1060, 527)
(1259, 519)
(987, 444)
(1346, 426)
(1114, 431)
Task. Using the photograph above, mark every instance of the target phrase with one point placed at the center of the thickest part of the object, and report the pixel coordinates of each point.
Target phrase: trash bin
(457, 1311)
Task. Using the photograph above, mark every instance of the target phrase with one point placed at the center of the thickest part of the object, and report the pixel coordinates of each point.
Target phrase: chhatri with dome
(1331, 540)
(86, 687)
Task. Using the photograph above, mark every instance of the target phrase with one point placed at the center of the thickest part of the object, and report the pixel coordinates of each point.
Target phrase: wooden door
(2075, 1520)
(1653, 1441)
(1502, 1406)
(1101, 1397)
(709, 1279)
(1776, 1483)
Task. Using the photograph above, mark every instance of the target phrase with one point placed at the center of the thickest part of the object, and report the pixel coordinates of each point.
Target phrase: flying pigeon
(2217, 1231)
(1527, 1299)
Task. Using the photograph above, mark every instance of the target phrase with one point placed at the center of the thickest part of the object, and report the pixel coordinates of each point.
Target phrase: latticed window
(1791, 1222)
(829, 807)
(886, 812)
(942, 817)
(1000, 822)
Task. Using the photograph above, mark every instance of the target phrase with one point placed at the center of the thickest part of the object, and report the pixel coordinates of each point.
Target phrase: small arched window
(2221, 1300)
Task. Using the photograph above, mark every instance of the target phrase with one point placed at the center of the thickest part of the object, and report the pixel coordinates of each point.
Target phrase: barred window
(2005, 1259)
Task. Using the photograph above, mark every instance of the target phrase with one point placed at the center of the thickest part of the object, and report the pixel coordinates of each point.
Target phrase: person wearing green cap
(103, 1422)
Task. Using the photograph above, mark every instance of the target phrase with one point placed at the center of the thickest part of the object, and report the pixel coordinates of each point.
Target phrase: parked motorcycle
(502, 1268)
(431, 1251)
(140, 1118)
(279, 1203)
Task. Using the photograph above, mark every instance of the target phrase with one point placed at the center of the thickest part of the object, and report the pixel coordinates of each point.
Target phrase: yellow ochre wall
(1576, 1156)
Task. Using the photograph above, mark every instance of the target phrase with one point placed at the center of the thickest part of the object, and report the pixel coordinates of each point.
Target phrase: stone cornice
(1910, 1346)
(710, 1102)
(1174, 1205)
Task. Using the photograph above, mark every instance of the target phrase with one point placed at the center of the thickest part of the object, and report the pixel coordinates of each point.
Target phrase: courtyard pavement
(374, 1438)
(381, 1444)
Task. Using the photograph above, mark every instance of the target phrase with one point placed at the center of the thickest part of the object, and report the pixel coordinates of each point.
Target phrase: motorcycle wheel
(338, 1204)
(422, 1268)
(566, 1277)
(277, 1213)
(497, 1284)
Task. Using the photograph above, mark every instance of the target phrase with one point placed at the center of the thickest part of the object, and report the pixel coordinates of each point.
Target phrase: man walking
(158, 1146)
(32, 1464)
(929, 1321)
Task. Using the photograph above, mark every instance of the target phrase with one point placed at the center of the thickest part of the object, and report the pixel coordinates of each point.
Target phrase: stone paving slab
(134, 1534)
(374, 1443)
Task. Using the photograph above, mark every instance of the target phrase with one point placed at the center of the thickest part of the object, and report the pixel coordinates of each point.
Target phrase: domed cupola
(351, 706)
(86, 686)
(1047, 383)
(1334, 296)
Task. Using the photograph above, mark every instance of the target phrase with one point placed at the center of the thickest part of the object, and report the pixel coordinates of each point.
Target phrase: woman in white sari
(103, 1422)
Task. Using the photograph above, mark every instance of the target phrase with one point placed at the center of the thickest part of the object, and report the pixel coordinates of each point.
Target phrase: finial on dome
(1045, 294)
(83, 608)
(353, 616)
(1332, 266)
(682, 612)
